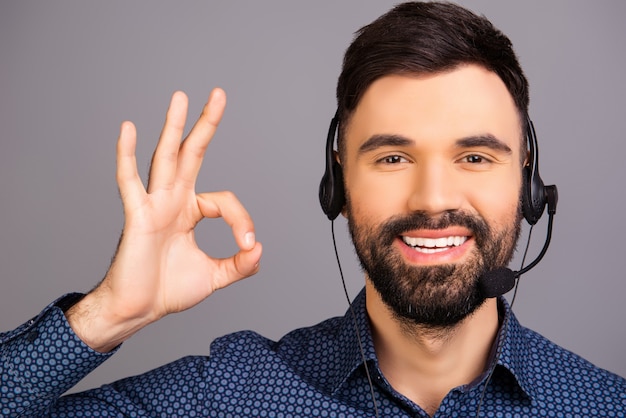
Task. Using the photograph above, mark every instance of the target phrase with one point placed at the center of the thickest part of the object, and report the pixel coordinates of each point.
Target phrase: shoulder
(249, 345)
(245, 365)
(560, 375)
(546, 356)
(297, 355)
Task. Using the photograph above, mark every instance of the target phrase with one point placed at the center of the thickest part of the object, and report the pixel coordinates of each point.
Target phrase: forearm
(41, 360)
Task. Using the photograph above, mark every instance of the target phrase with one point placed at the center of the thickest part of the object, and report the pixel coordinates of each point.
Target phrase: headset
(535, 195)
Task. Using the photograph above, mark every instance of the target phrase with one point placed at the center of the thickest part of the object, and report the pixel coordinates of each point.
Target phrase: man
(432, 149)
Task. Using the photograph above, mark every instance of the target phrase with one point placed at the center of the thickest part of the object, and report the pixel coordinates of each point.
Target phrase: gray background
(72, 71)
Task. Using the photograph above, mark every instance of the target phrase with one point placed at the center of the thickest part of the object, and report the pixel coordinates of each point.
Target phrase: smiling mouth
(434, 245)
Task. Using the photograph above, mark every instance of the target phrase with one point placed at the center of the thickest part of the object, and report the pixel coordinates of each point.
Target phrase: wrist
(99, 327)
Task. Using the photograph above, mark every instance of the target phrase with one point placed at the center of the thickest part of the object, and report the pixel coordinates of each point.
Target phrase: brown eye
(392, 159)
(474, 159)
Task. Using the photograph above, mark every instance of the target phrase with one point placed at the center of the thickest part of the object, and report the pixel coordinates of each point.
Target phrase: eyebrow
(378, 141)
(485, 140)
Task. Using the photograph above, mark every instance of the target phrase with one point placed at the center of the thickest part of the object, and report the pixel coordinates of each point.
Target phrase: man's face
(433, 176)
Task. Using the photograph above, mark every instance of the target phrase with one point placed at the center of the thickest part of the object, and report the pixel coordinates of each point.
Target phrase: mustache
(400, 224)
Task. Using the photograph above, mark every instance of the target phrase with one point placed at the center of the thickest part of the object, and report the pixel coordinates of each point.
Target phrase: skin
(158, 268)
(434, 172)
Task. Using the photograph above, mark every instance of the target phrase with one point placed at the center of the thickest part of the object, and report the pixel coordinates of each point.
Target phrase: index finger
(246, 262)
(194, 146)
(225, 205)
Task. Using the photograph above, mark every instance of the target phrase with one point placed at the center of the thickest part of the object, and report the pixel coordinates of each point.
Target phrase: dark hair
(425, 38)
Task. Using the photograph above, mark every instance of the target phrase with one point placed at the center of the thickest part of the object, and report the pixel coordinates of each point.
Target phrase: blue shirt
(311, 372)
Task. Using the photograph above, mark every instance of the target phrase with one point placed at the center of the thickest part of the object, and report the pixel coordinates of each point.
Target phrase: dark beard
(435, 297)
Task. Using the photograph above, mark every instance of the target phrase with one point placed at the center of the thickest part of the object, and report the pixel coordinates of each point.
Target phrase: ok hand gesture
(158, 268)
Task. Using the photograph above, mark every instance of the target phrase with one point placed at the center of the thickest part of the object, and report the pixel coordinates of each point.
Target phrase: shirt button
(32, 336)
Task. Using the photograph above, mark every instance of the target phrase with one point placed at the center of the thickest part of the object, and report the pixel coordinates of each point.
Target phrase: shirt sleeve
(42, 359)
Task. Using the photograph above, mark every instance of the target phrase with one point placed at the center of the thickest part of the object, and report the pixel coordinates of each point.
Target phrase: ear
(526, 159)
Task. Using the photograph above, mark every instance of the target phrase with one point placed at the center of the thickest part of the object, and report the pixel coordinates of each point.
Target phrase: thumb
(241, 265)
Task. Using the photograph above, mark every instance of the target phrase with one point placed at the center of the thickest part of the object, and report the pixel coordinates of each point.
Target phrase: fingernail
(249, 239)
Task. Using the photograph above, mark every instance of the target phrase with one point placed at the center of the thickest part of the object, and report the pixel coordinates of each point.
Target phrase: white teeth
(432, 245)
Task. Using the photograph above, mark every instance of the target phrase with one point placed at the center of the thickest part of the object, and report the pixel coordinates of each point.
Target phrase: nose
(436, 189)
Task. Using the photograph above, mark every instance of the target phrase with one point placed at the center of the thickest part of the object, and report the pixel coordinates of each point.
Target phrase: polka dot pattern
(316, 371)
(41, 360)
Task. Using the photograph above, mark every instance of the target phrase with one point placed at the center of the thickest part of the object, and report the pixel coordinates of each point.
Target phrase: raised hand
(158, 268)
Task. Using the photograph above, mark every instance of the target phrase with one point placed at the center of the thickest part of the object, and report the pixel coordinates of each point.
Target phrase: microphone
(497, 282)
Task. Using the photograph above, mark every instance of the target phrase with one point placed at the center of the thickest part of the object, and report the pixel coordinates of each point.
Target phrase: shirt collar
(514, 350)
(510, 341)
(349, 352)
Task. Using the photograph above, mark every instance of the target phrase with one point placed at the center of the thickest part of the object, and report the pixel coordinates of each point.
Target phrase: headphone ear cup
(534, 193)
(533, 196)
(526, 207)
(332, 193)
